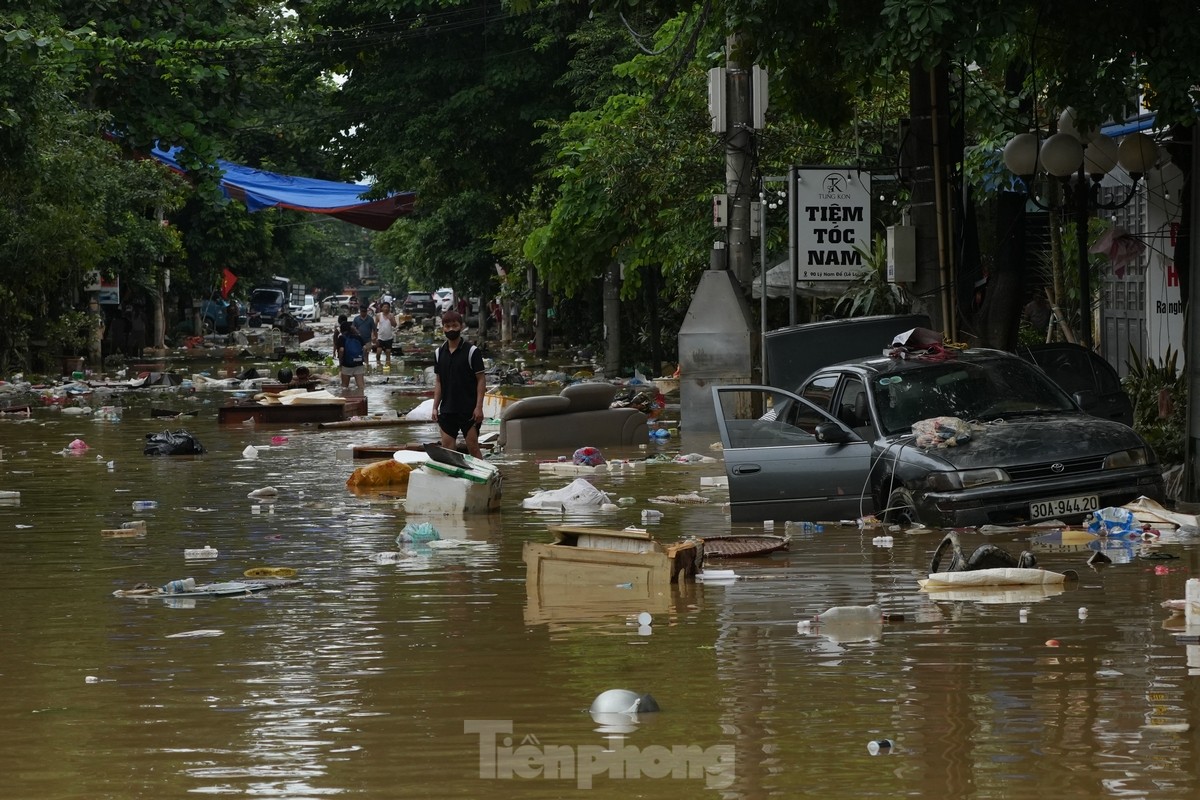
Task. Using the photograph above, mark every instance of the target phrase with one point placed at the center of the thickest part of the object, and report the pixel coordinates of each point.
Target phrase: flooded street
(438, 676)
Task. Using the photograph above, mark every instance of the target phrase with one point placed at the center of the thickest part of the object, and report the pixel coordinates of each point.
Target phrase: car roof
(875, 365)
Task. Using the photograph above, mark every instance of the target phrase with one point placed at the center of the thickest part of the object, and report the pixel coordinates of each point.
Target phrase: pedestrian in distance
(385, 332)
(458, 387)
(364, 323)
(351, 356)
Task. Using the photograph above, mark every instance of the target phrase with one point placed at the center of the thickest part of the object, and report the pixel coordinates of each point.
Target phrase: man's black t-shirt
(457, 371)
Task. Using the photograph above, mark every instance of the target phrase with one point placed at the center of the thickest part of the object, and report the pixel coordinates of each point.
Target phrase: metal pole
(762, 268)
(793, 256)
(1085, 278)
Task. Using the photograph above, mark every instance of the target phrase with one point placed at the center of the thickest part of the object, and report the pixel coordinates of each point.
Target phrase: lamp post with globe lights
(1066, 155)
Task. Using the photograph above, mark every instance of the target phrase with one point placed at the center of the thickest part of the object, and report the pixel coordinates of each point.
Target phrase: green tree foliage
(444, 98)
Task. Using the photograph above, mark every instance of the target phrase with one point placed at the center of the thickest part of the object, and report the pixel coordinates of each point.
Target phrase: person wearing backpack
(351, 350)
(459, 386)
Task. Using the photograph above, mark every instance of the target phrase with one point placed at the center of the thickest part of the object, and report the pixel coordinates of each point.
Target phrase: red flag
(227, 281)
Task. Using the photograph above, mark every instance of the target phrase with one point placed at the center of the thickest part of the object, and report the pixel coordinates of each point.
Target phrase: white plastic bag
(577, 495)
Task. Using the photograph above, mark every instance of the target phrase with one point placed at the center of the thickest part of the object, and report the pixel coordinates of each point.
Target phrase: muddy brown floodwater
(438, 677)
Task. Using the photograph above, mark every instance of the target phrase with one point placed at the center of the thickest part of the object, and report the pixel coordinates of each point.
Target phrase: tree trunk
(541, 337)
(612, 319)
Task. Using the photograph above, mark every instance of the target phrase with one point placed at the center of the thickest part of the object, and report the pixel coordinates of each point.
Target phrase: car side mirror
(1086, 398)
(832, 433)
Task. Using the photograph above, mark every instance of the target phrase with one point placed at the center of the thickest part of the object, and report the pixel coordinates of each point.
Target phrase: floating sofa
(577, 416)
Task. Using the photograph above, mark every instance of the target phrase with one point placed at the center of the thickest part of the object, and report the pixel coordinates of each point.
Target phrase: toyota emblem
(1056, 467)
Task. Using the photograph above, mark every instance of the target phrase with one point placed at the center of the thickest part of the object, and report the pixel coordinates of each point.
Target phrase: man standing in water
(458, 387)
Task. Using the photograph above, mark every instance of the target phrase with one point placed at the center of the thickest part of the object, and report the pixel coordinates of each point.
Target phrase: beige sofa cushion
(539, 406)
(590, 396)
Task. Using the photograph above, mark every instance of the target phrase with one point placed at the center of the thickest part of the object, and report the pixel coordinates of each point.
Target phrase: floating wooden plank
(380, 422)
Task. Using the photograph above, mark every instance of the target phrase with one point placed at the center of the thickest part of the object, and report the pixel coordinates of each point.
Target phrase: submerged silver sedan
(843, 446)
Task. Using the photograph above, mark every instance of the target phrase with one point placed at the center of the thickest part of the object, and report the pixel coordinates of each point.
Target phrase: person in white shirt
(385, 326)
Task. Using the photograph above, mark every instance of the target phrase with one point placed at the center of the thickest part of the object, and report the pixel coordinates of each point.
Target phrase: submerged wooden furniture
(296, 414)
(591, 572)
(584, 555)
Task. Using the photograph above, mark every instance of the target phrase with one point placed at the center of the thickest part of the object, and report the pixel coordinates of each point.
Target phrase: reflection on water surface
(414, 678)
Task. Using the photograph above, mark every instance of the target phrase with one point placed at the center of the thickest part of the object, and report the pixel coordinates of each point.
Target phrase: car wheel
(209, 325)
(900, 509)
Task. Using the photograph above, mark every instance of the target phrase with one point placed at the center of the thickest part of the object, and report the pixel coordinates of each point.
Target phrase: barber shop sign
(833, 222)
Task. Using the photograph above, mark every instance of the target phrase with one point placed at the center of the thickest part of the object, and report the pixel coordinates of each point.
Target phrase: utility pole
(739, 166)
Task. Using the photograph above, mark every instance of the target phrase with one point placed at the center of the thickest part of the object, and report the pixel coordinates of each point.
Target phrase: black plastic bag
(172, 443)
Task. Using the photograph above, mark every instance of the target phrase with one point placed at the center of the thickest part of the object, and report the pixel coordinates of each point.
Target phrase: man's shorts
(361, 369)
(453, 424)
(383, 346)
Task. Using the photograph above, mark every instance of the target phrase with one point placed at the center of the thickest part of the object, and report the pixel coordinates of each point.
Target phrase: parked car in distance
(842, 446)
(266, 305)
(310, 311)
(1084, 375)
(336, 304)
(218, 315)
(419, 305)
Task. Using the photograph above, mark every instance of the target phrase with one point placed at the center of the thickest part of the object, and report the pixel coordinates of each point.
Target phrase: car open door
(781, 462)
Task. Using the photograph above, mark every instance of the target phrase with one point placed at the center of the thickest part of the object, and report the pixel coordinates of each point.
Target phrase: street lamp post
(1068, 154)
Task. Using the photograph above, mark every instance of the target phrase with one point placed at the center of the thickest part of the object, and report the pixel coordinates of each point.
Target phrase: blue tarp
(260, 189)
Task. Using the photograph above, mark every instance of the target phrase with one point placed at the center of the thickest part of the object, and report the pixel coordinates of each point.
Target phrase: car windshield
(974, 390)
(266, 296)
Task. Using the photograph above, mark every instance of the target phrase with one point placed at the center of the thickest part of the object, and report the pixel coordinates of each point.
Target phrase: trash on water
(379, 474)
(145, 505)
(172, 443)
(579, 495)
(389, 557)
(625, 501)
(178, 586)
(202, 633)
(418, 533)
(1112, 520)
(264, 492)
(1083, 612)
(650, 515)
(77, 446)
(623, 701)
(793, 526)
(200, 552)
(717, 576)
(883, 541)
(111, 465)
(644, 618)
(588, 457)
(871, 613)
(1023, 615)
(250, 452)
(278, 440)
(879, 747)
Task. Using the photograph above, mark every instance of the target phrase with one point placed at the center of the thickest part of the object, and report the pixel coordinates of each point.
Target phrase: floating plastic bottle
(804, 527)
(179, 586)
(145, 505)
(650, 515)
(879, 746)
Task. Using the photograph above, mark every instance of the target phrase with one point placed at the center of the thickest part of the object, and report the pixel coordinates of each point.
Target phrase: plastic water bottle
(145, 505)
(650, 515)
(804, 527)
(179, 586)
(878, 746)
